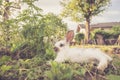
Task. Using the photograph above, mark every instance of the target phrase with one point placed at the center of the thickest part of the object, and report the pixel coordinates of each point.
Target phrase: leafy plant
(66, 71)
(4, 59)
(4, 68)
(116, 29)
(59, 72)
(79, 37)
(106, 34)
(50, 54)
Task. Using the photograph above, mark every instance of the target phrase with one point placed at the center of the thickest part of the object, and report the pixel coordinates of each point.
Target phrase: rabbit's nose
(56, 49)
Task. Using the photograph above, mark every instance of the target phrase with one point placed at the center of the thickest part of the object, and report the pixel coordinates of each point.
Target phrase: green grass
(113, 77)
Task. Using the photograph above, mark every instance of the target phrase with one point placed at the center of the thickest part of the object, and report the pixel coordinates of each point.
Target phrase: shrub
(107, 34)
(79, 37)
(116, 29)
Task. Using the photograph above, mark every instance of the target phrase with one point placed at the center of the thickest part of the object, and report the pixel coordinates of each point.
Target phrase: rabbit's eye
(61, 45)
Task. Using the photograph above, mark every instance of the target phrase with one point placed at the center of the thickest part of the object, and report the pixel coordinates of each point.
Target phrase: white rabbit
(80, 55)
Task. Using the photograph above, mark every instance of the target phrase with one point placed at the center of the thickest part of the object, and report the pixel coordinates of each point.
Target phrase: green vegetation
(83, 10)
(79, 37)
(43, 68)
(113, 33)
(26, 46)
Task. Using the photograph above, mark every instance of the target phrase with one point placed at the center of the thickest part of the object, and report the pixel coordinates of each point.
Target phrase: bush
(116, 29)
(79, 37)
(107, 34)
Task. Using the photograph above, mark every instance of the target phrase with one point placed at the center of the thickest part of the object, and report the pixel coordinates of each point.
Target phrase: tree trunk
(87, 28)
(5, 18)
(6, 11)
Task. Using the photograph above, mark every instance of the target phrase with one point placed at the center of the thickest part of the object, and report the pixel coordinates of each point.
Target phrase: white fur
(81, 55)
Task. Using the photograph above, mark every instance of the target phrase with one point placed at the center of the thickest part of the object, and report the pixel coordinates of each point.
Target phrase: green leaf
(4, 59)
(5, 68)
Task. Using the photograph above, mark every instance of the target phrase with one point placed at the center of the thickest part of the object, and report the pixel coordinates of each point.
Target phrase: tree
(6, 21)
(83, 9)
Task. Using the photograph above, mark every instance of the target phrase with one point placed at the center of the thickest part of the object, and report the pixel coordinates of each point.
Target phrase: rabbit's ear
(70, 36)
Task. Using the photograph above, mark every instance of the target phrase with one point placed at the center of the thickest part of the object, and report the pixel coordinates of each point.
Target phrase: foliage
(113, 33)
(83, 10)
(114, 74)
(79, 37)
(7, 22)
(4, 59)
(54, 26)
(116, 29)
(29, 69)
(4, 68)
(102, 32)
(3, 64)
(34, 28)
(40, 68)
(59, 71)
(50, 54)
(116, 63)
(27, 56)
(27, 41)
